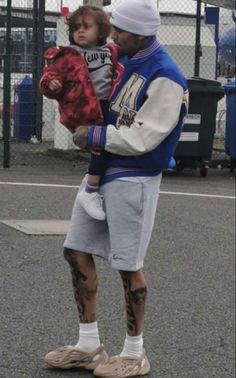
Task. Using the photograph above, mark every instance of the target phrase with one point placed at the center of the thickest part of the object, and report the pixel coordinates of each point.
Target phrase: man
(147, 108)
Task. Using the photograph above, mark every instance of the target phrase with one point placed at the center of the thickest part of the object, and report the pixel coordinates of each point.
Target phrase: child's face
(87, 33)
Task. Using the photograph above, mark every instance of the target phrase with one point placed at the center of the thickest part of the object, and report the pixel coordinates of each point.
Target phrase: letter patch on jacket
(125, 103)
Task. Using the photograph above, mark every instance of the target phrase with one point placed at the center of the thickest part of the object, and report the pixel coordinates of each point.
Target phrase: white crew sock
(133, 346)
(88, 337)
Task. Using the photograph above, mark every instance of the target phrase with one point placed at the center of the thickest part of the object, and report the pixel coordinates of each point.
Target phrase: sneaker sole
(68, 357)
(112, 371)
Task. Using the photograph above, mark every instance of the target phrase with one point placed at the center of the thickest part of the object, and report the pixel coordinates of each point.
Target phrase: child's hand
(54, 85)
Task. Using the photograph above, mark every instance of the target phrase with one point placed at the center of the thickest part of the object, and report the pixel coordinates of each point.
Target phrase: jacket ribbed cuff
(97, 136)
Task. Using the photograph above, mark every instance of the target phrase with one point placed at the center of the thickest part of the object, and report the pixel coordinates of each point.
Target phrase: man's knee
(68, 254)
(134, 281)
(77, 258)
(136, 277)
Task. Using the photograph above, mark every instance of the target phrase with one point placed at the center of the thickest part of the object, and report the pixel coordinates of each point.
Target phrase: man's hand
(80, 137)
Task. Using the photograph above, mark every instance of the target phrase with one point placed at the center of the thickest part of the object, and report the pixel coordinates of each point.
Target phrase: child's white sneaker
(92, 203)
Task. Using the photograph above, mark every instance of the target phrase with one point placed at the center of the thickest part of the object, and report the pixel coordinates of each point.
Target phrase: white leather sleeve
(153, 122)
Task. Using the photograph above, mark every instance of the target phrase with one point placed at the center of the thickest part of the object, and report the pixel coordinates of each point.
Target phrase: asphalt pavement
(190, 269)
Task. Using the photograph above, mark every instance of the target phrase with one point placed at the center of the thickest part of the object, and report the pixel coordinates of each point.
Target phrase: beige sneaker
(68, 357)
(121, 367)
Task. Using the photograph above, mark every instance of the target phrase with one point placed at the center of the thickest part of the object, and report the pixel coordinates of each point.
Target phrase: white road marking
(77, 186)
(38, 184)
(198, 195)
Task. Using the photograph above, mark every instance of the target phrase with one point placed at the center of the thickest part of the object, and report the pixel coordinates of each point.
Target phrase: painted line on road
(37, 184)
(76, 187)
(198, 195)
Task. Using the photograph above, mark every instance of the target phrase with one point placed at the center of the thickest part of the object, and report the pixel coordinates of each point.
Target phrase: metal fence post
(7, 91)
(38, 63)
(34, 64)
(39, 97)
(198, 47)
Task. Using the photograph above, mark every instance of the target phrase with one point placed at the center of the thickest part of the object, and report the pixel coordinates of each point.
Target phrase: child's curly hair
(101, 18)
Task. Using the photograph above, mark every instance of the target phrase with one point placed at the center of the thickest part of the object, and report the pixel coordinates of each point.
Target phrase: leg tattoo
(135, 305)
(85, 289)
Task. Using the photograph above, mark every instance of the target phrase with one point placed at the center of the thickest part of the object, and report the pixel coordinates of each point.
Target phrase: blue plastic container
(230, 130)
(23, 109)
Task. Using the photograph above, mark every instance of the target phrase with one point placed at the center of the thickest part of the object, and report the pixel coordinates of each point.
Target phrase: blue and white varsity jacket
(147, 108)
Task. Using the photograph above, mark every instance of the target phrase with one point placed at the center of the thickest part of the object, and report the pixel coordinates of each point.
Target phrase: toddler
(79, 77)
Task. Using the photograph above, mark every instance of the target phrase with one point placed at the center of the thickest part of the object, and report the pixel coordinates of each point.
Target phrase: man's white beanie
(139, 17)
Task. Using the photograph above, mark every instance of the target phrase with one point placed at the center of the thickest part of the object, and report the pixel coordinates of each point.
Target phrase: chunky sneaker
(68, 357)
(92, 204)
(121, 367)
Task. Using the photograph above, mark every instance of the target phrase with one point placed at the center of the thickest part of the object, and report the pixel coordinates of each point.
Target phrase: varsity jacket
(146, 114)
(85, 76)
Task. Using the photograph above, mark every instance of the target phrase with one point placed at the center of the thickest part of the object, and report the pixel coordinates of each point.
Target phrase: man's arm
(152, 124)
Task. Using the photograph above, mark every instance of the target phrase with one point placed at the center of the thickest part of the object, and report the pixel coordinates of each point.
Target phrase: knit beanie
(139, 17)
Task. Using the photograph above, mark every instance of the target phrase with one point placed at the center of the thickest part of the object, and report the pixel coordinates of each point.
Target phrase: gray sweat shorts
(123, 238)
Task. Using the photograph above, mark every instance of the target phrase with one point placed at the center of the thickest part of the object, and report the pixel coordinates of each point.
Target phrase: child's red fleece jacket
(78, 103)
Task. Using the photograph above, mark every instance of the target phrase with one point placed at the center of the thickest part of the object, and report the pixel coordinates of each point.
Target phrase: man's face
(128, 43)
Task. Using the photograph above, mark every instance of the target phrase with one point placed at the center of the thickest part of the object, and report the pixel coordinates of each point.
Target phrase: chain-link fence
(32, 133)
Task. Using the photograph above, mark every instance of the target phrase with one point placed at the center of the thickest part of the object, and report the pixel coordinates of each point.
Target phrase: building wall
(179, 41)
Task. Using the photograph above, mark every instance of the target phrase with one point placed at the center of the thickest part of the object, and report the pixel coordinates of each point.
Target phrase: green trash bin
(194, 148)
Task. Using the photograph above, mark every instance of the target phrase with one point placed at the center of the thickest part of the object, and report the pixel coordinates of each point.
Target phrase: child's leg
(92, 183)
(89, 197)
(97, 167)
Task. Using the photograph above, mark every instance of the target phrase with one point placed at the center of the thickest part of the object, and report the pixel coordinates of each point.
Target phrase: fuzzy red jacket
(78, 103)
